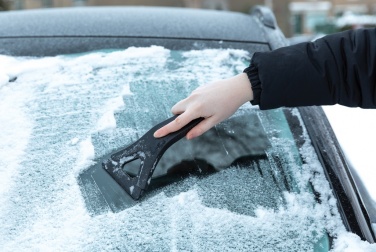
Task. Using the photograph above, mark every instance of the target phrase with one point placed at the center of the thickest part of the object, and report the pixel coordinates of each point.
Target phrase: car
(78, 84)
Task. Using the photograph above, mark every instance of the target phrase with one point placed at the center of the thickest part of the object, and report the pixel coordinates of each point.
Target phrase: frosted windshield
(59, 114)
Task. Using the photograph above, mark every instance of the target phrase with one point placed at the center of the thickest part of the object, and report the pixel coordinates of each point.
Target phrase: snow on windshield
(56, 112)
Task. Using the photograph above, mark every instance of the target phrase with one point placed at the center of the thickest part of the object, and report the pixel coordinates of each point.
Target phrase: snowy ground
(355, 130)
(50, 108)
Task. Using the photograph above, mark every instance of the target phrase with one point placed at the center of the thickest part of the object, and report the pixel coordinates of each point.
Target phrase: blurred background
(298, 19)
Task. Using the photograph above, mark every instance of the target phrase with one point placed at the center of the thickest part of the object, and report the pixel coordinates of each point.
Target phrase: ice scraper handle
(177, 135)
(149, 150)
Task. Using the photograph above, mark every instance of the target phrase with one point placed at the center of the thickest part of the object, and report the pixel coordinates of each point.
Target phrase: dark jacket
(336, 69)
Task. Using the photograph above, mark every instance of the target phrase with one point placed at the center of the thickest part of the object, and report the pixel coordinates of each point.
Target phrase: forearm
(338, 68)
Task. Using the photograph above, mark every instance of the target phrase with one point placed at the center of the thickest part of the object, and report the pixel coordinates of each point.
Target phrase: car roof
(131, 21)
(72, 30)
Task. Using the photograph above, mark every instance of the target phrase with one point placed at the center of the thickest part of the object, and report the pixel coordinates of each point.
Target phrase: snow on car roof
(350, 19)
(52, 107)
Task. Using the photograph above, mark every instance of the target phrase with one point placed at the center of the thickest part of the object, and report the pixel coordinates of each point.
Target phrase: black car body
(47, 33)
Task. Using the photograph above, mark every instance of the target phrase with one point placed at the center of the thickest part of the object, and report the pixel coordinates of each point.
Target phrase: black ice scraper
(114, 183)
(149, 151)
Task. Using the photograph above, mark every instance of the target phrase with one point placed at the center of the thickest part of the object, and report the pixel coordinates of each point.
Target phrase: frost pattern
(61, 112)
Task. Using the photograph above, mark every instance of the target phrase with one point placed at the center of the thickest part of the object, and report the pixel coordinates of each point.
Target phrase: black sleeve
(338, 68)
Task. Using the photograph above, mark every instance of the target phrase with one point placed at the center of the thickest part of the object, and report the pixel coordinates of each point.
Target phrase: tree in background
(4, 5)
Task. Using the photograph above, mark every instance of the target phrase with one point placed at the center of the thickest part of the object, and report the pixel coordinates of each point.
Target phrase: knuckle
(178, 121)
(199, 106)
(195, 94)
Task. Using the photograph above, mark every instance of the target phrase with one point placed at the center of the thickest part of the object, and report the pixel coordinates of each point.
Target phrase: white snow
(351, 19)
(51, 118)
(3, 79)
(86, 154)
(345, 241)
(74, 141)
(349, 242)
(355, 131)
(15, 130)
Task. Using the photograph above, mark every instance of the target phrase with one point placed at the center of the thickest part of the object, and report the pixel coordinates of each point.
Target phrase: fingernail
(190, 136)
(156, 134)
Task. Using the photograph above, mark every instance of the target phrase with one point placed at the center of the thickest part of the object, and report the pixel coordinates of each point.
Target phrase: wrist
(244, 88)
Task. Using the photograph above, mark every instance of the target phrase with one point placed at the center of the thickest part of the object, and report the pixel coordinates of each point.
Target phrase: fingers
(179, 107)
(175, 125)
(202, 127)
(183, 120)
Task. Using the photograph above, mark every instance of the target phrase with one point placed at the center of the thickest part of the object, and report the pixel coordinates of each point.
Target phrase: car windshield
(264, 188)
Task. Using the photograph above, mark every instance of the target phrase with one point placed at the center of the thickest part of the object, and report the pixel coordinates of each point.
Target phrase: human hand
(215, 102)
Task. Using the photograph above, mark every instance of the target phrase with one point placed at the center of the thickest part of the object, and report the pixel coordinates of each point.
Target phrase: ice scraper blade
(114, 181)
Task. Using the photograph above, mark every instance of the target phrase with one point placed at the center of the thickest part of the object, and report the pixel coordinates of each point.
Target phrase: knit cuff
(253, 76)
